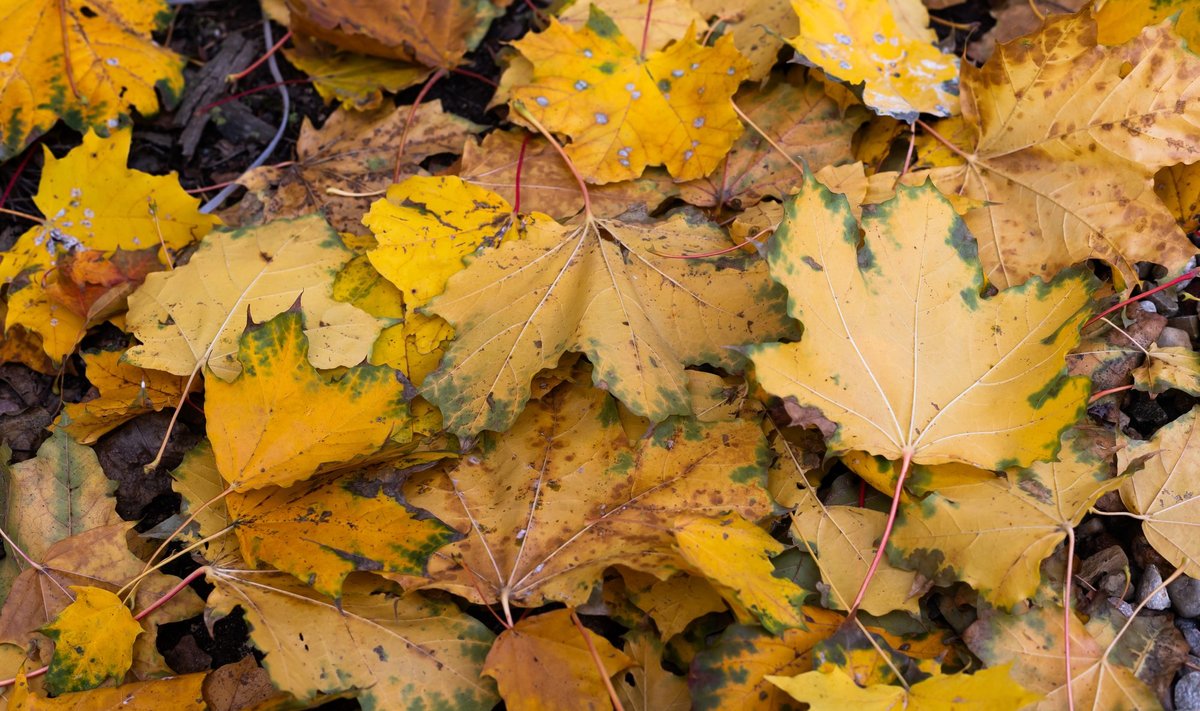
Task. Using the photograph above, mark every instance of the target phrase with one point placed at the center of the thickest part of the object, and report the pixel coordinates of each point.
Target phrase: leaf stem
(26, 215)
(905, 463)
(520, 164)
(944, 141)
(753, 239)
(1189, 274)
(587, 198)
(1110, 391)
(12, 182)
(1067, 617)
(1140, 606)
(769, 140)
(149, 567)
(33, 674)
(34, 564)
(646, 26)
(412, 113)
(587, 639)
(172, 592)
(258, 62)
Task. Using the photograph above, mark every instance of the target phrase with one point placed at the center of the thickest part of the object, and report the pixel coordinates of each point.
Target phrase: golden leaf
(125, 391)
(179, 693)
(668, 20)
(1173, 368)
(252, 273)
(1067, 136)
(624, 112)
(831, 689)
(757, 29)
(672, 603)
(281, 421)
(356, 80)
(87, 62)
(647, 686)
(880, 320)
(93, 641)
(1178, 186)
(1119, 21)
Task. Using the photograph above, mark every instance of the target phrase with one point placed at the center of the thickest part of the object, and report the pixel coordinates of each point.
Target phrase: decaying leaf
(866, 41)
(1178, 186)
(356, 80)
(1172, 368)
(647, 686)
(382, 646)
(252, 273)
(93, 641)
(322, 531)
(354, 153)
(879, 321)
(543, 662)
(564, 493)
(799, 118)
(625, 112)
(757, 27)
(603, 288)
(831, 689)
(1121, 20)
(995, 534)
(281, 421)
(1165, 493)
(736, 554)
(125, 391)
(1068, 135)
(88, 62)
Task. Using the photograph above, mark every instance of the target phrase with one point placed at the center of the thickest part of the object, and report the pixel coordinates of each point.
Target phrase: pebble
(1185, 596)
(1187, 693)
(1190, 634)
(1151, 579)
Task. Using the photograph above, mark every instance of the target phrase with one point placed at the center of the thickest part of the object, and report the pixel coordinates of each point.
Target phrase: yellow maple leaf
(757, 28)
(427, 225)
(672, 603)
(1178, 186)
(280, 421)
(93, 641)
(663, 21)
(1173, 368)
(880, 319)
(84, 61)
(565, 493)
(1064, 138)
(604, 288)
(995, 534)
(92, 201)
(831, 689)
(1119, 21)
(257, 273)
(356, 80)
(624, 112)
(865, 41)
(737, 555)
(324, 530)
(544, 663)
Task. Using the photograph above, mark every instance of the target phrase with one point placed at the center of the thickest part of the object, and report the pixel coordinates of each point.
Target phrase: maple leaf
(543, 662)
(94, 286)
(842, 540)
(647, 686)
(200, 487)
(99, 558)
(426, 226)
(87, 211)
(662, 23)
(831, 689)
(624, 112)
(546, 182)
(434, 33)
(1067, 136)
(178, 693)
(737, 555)
(59, 493)
(865, 41)
(322, 531)
(601, 287)
(87, 62)
(353, 152)
(93, 641)
(995, 534)
(1178, 186)
(356, 80)
(1172, 368)
(382, 646)
(565, 493)
(756, 29)
(1032, 643)
(281, 421)
(124, 392)
(672, 603)
(1164, 493)
(802, 120)
(880, 319)
(1119, 22)
(257, 273)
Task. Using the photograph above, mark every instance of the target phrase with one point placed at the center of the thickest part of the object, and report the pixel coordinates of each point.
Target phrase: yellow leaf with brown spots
(1178, 186)
(88, 62)
(625, 112)
(281, 421)
(565, 493)
(1067, 136)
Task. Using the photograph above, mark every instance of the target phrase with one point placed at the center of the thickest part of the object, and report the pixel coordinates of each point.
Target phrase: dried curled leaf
(624, 112)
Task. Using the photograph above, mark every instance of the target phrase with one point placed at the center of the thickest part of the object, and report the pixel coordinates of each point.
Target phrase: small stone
(1187, 693)
(1151, 579)
(1192, 636)
(1171, 337)
(1114, 584)
(1185, 596)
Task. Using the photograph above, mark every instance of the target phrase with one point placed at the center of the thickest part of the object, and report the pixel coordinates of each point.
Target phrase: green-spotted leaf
(606, 289)
(321, 531)
(901, 350)
(281, 421)
(93, 641)
(566, 493)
